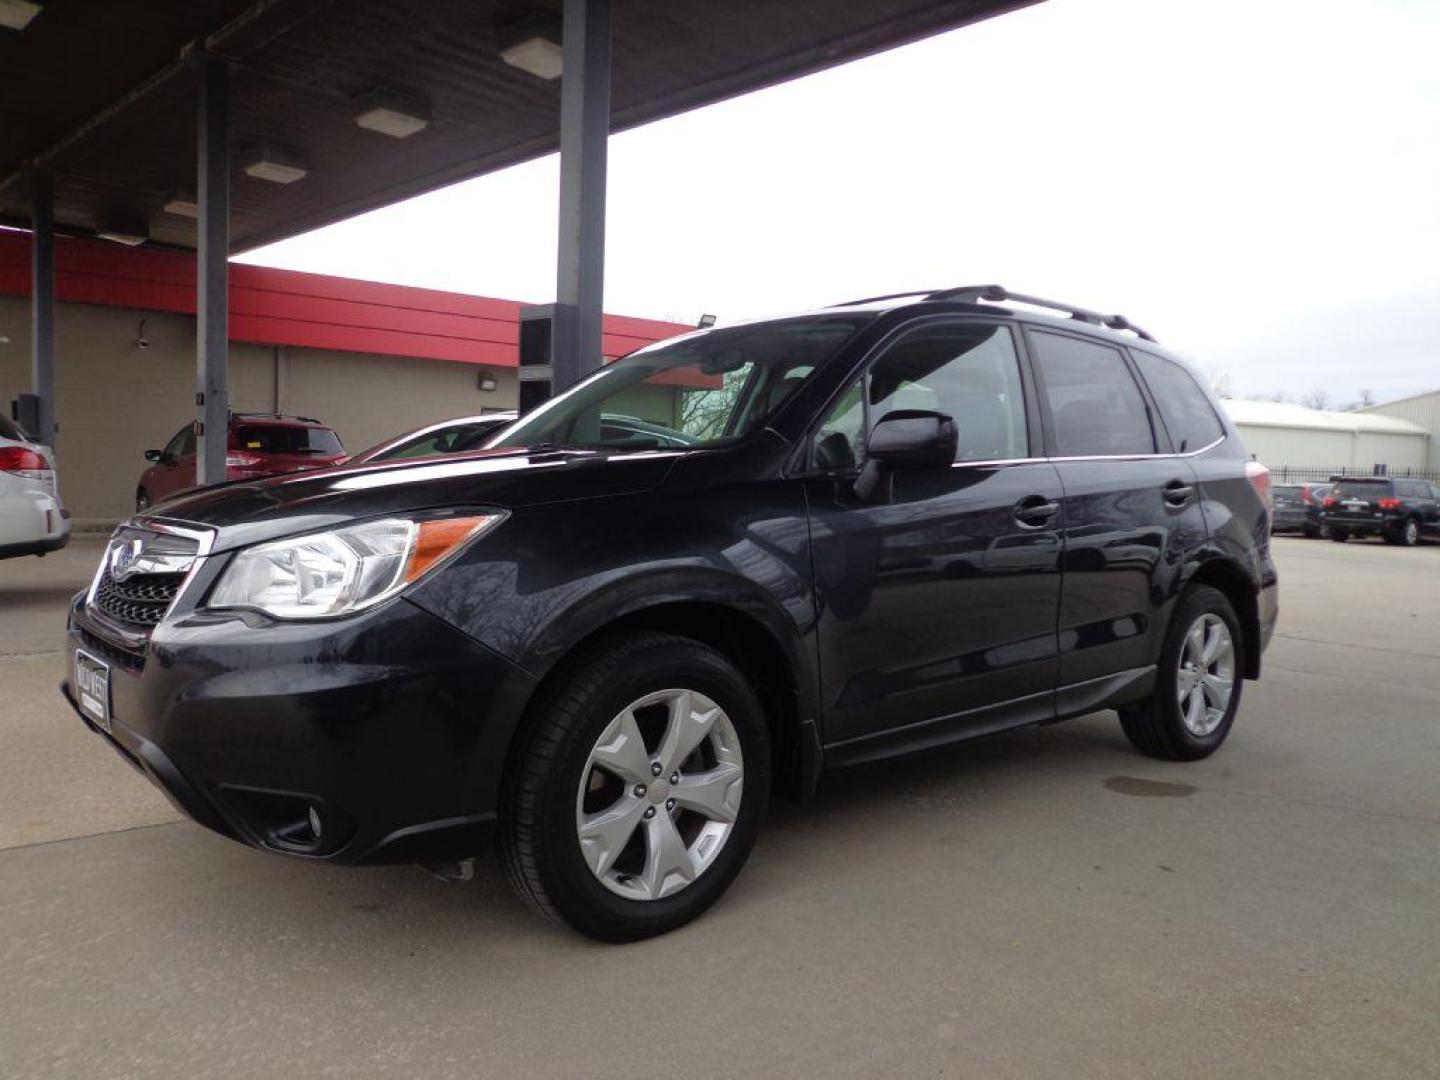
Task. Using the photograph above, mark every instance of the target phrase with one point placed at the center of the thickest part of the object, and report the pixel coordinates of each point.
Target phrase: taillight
(1307, 498)
(1331, 500)
(1388, 504)
(23, 462)
(1259, 477)
(241, 461)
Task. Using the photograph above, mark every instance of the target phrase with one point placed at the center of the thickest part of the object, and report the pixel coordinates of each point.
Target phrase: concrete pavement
(1045, 903)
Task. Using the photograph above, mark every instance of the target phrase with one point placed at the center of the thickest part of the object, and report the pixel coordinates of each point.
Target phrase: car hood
(249, 512)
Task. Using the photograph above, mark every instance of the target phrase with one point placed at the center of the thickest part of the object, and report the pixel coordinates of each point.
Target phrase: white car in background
(32, 520)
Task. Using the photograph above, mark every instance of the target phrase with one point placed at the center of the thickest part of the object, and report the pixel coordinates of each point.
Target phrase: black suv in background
(1299, 507)
(888, 525)
(1401, 511)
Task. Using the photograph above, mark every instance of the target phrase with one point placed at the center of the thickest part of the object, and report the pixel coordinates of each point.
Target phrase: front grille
(140, 601)
(140, 575)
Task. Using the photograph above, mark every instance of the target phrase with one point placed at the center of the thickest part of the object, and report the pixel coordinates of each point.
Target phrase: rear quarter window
(1185, 409)
(11, 430)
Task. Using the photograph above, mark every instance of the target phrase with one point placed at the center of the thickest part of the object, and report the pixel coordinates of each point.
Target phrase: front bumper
(389, 729)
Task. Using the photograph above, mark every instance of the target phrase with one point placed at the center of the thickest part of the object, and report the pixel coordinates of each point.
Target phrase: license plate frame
(91, 677)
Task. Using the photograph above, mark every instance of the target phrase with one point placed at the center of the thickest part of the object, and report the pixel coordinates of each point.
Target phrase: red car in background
(259, 445)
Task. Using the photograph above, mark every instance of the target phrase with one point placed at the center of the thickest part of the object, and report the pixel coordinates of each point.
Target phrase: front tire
(639, 790)
(1197, 686)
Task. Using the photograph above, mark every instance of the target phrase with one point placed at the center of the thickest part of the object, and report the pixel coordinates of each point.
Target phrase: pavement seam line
(1356, 645)
(91, 836)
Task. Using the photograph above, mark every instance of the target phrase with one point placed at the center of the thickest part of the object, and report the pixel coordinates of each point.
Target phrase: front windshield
(701, 390)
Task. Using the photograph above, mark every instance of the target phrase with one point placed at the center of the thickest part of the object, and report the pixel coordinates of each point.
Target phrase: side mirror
(905, 439)
(154, 455)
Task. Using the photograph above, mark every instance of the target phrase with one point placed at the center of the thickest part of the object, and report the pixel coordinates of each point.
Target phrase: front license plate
(92, 688)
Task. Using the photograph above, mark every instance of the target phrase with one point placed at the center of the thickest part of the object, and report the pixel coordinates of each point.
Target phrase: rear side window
(1095, 405)
(285, 439)
(1186, 411)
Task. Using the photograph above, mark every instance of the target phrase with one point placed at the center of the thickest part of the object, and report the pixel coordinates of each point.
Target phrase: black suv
(1299, 506)
(895, 524)
(1400, 511)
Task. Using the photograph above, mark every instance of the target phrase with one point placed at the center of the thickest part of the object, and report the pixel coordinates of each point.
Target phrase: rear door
(1132, 511)
(939, 604)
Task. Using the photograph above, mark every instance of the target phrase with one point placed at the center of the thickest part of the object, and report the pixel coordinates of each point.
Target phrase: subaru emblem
(123, 556)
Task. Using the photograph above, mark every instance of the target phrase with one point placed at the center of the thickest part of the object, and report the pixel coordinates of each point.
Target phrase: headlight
(325, 575)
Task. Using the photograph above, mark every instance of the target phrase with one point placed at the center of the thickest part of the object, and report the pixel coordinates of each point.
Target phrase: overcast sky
(1255, 181)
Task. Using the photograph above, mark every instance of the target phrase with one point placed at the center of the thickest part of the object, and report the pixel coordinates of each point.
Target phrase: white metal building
(1421, 409)
(1283, 435)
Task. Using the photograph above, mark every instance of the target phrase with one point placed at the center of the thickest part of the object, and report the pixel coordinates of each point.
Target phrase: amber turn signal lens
(437, 539)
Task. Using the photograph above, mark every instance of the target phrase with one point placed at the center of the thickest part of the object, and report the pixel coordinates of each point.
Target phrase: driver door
(938, 606)
(176, 469)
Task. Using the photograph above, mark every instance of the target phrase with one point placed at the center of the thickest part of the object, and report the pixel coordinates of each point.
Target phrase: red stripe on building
(286, 307)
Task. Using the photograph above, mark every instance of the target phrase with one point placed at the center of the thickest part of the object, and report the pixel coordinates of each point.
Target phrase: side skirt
(1033, 710)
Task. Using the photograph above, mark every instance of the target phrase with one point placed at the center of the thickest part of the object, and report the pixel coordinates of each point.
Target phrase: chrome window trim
(990, 462)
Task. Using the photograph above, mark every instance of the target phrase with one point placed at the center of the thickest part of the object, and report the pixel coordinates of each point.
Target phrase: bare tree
(1280, 396)
(1316, 399)
(1363, 400)
(1220, 382)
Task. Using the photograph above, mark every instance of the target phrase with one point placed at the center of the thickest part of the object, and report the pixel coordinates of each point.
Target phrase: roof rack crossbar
(998, 294)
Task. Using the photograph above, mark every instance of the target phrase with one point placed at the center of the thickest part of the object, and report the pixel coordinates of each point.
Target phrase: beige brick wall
(113, 400)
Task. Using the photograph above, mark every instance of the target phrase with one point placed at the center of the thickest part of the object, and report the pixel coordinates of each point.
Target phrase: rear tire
(1312, 532)
(565, 856)
(1338, 535)
(1408, 535)
(1197, 685)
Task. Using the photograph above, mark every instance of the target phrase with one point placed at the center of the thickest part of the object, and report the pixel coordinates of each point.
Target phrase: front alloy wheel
(638, 788)
(649, 824)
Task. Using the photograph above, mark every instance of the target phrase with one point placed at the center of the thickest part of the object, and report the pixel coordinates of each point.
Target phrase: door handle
(1178, 493)
(1034, 511)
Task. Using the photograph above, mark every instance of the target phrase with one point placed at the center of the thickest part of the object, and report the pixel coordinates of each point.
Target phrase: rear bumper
(391, 728)
(36, 547)
(1364, 522)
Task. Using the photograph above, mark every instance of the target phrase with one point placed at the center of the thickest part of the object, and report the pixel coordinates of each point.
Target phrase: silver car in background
(32, 521)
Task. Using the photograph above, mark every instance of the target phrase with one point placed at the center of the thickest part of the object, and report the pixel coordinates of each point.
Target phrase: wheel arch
(743, 634)
(1239, 588)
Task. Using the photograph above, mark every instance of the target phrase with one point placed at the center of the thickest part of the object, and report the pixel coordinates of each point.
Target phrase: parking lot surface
(1043, 903)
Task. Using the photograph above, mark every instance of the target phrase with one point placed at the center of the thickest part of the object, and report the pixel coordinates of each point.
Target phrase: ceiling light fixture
(16, 14)
(274, 166)
(131, 235)
(181, 203)
(391, 113)
(533, 45)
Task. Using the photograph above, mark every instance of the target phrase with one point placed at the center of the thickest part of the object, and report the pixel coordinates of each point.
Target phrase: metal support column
(584, 131)
(42, 305)
(212, 278)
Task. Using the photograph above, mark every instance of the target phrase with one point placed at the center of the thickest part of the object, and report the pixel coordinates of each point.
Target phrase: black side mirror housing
(154, 455)
(905, 439)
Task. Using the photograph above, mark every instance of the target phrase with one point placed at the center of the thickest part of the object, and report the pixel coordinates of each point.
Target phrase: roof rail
(886, 296)
(998, 293)
(272, 416)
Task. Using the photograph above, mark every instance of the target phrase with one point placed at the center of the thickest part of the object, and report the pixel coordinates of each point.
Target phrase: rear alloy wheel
(1197, 686)
(1409, 533)
(640, 789)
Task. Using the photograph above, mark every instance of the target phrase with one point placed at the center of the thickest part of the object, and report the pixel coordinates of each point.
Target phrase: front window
(702, 390)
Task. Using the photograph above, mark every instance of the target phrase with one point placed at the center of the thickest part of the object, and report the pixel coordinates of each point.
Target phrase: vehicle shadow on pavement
(235, 892)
